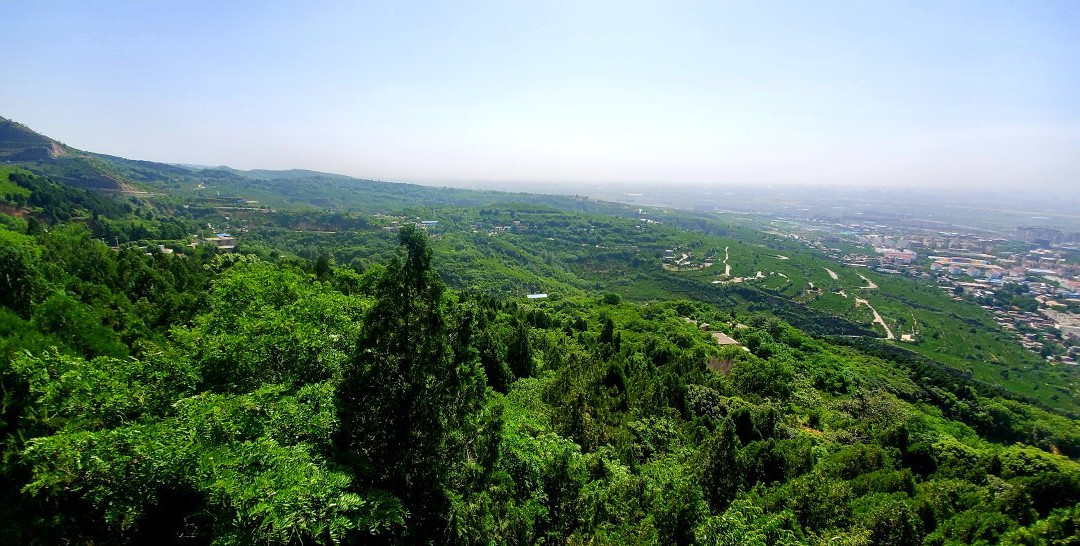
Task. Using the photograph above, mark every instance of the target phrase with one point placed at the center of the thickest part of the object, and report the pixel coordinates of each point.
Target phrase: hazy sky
(868, 92)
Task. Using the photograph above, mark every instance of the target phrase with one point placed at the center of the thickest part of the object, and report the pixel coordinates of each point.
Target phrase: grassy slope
(7, 187)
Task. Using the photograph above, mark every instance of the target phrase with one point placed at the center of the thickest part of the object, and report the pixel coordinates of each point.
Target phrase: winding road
(877, 317)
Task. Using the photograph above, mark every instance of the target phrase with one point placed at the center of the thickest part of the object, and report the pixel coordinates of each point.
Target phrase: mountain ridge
(41, 154)
(21, 143)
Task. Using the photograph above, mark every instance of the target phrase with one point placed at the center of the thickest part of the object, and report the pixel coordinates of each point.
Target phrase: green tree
(21, 280)
(770, 377)
(820, 502)
(519, 352)
(271, 323)
(323, 267)
(720, 472)
(407, 406)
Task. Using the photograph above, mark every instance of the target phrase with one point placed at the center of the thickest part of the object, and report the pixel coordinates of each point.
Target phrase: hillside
(19, 143)
(225, 187)
(529, 248)
(347, 376)
(218, 396)
(619, 250)
(21, 146)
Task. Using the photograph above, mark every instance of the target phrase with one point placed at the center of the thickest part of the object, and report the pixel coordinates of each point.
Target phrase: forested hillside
(513, 249)
(502, 243)
(353, 378)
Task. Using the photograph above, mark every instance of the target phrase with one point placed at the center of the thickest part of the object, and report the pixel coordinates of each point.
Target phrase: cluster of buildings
(895, 256)
(1030, 322)
(887, 260)
(1044, 327)
(930, 240)
(1046, 261)
(397, 221)
(1046, 237)
(977, 265)
(516, 225)
(223, 241)
(971, 267)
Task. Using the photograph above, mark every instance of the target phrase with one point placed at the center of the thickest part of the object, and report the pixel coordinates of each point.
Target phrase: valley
(333, 359)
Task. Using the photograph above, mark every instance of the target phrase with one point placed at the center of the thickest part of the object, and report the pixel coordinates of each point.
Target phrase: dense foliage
(273, 396)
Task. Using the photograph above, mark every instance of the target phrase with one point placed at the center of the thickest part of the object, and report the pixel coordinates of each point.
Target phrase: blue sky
(856, 93)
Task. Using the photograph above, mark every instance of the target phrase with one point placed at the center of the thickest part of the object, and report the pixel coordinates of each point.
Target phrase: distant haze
(956, 93)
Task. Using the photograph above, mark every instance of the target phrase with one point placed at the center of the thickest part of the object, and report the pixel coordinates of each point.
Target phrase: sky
(864, 93)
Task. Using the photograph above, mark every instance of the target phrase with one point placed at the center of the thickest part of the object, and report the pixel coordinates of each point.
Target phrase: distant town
(1029, 281)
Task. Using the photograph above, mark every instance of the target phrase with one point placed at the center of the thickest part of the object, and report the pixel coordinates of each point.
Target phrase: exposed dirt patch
(723, 366)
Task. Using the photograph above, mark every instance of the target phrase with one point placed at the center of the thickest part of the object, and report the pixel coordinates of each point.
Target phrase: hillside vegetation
(603, 245)
(337, 381)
